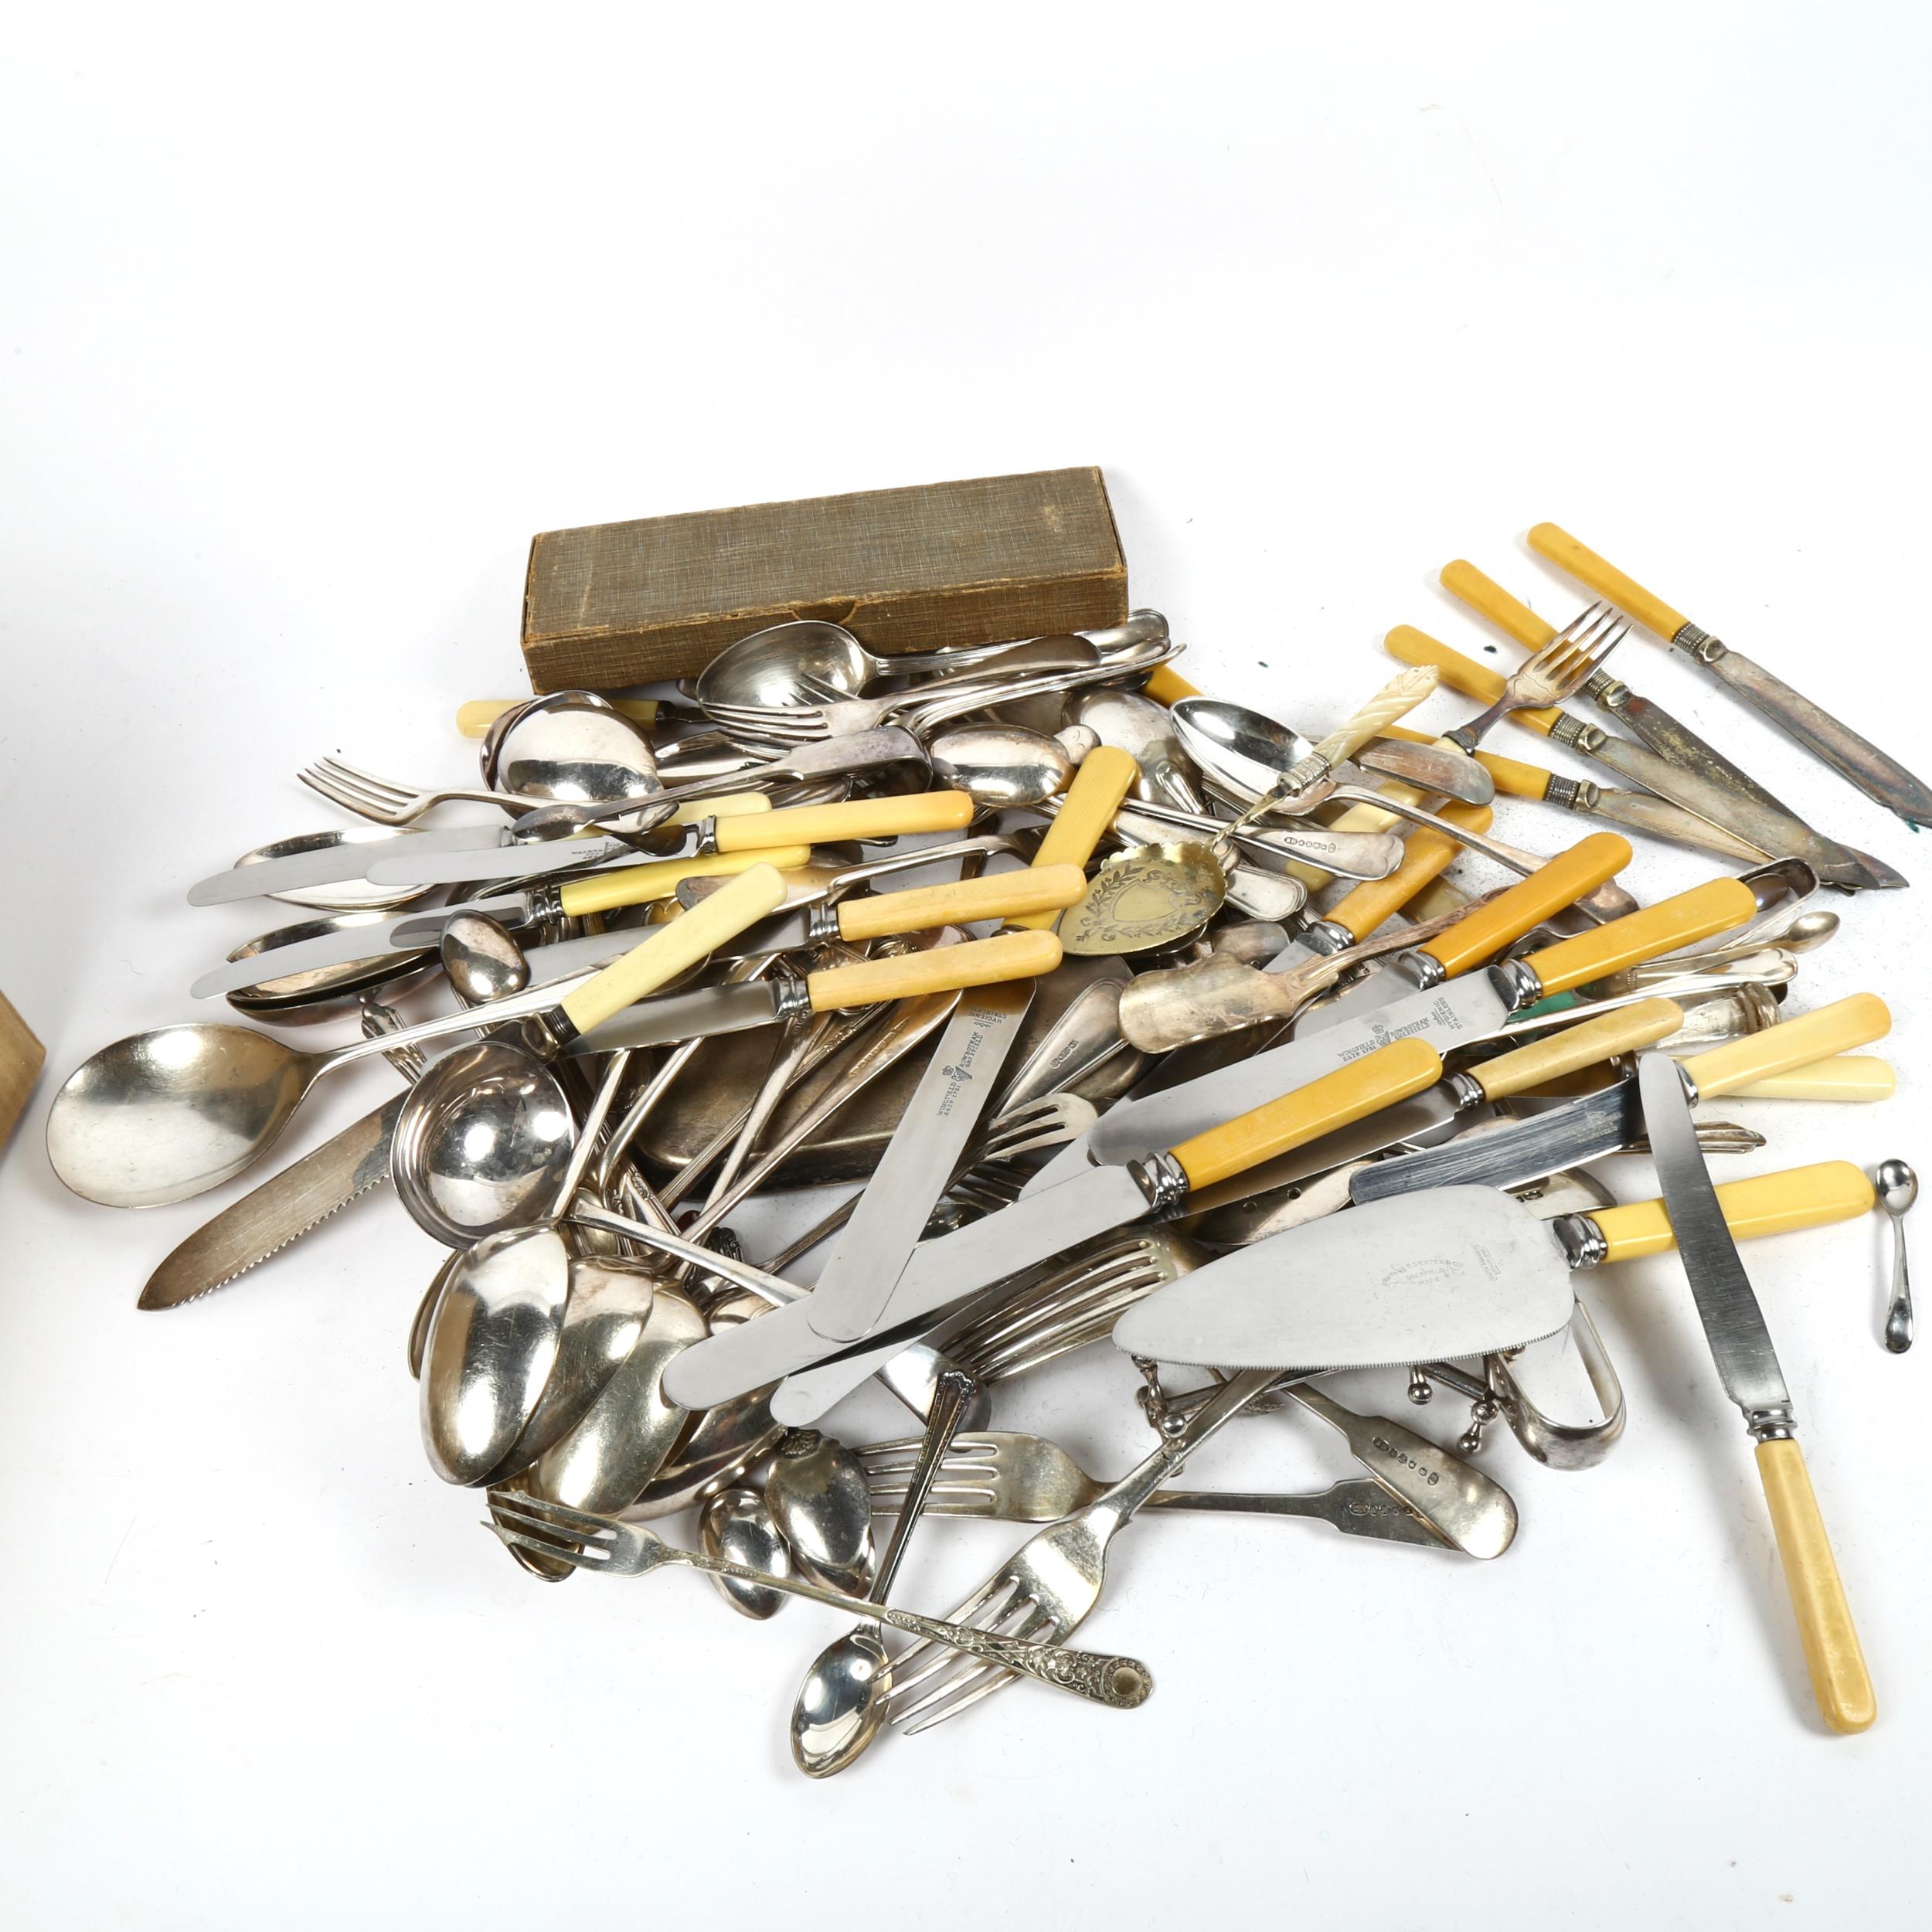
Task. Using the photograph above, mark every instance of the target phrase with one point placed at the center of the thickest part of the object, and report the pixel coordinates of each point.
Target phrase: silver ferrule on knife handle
(1573, 795)
(1465, 1091)
(1520, 986)
(1579, 736)
(1424, 968)
(1700, 644)
(1163, 1180)
(791, 999)
(1608, 693)
(1324, 936)
(1583, 1240)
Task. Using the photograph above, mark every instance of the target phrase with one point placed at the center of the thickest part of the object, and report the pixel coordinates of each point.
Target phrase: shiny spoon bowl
(1898, 1187)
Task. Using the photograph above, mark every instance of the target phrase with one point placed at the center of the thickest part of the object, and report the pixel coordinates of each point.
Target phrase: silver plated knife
(1747, 1366)
(1855, 759)
(1585, 1130)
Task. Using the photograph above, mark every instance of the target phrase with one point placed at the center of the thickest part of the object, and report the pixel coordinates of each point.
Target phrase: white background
(313, 317)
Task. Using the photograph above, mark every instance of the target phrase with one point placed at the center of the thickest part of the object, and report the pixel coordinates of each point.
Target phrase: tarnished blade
(1740, 1344)
(281, 1210)
(1468, 1272)
(1581, 1130)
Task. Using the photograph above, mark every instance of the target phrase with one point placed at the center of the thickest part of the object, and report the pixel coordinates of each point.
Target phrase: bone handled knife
(1747, 1365)
(1775, 834)
(1585, 1130)
(1855, 759)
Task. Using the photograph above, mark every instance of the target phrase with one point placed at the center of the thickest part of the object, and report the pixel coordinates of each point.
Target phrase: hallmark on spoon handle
(1122, 1683)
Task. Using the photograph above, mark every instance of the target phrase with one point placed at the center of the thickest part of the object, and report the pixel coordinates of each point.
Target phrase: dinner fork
(389, 804)
(616, 1549)
(1562, 668)
(1046, 1589)
(1023, 1478)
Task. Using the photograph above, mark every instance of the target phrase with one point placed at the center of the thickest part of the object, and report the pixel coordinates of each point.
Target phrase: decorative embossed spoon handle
(1121, 1682)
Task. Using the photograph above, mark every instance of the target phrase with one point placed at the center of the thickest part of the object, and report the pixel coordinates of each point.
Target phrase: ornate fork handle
(1122, 1683)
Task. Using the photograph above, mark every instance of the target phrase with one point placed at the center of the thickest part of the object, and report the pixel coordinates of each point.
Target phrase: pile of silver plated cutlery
(1124, 1018)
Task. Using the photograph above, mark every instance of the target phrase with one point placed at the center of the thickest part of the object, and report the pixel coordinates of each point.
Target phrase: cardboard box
(21, 1056)
(908, 570)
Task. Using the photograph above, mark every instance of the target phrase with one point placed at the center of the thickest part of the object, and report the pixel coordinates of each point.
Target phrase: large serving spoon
(166, 1114)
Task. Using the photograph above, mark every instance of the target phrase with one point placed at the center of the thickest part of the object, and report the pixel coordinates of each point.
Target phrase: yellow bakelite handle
(1622, 1031)
(659, 878)
(1376, 1081)
(1168, 686)
(1360, 911)
(1839, 1680)
(476, 717)
(1552, 887)
(1000, 895)
(1715, 907)
(1845, 1023)
(1106, 776)
(1462, 674)
(1797, 1197)
(941, 969)
(861, 818)
(1606, 580)
(1487, 598)
(1514, 778)
(671, 948)
(1845, 1077)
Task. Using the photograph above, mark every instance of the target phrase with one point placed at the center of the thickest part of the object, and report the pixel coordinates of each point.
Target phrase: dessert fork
(389, 804)
(1562, 668)
(1046, 1588)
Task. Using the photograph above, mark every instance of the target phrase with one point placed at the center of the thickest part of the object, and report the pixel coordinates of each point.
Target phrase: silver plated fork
(1561, 668)
(1025, 1478)
(389, 804)
(615, 1549)
(1046, 1588)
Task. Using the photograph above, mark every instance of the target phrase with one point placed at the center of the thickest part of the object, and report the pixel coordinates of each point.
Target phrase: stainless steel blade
(1740, 1344)
(941, 1273)
(1855, 759)
(681, 1016)
(1384, 985)
(499, 857)
(855, 1291)
(1579, 1131)
(407, 932)
(1453, 1015)
(332, 864)
(264, 1221)
(1468, 1272)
